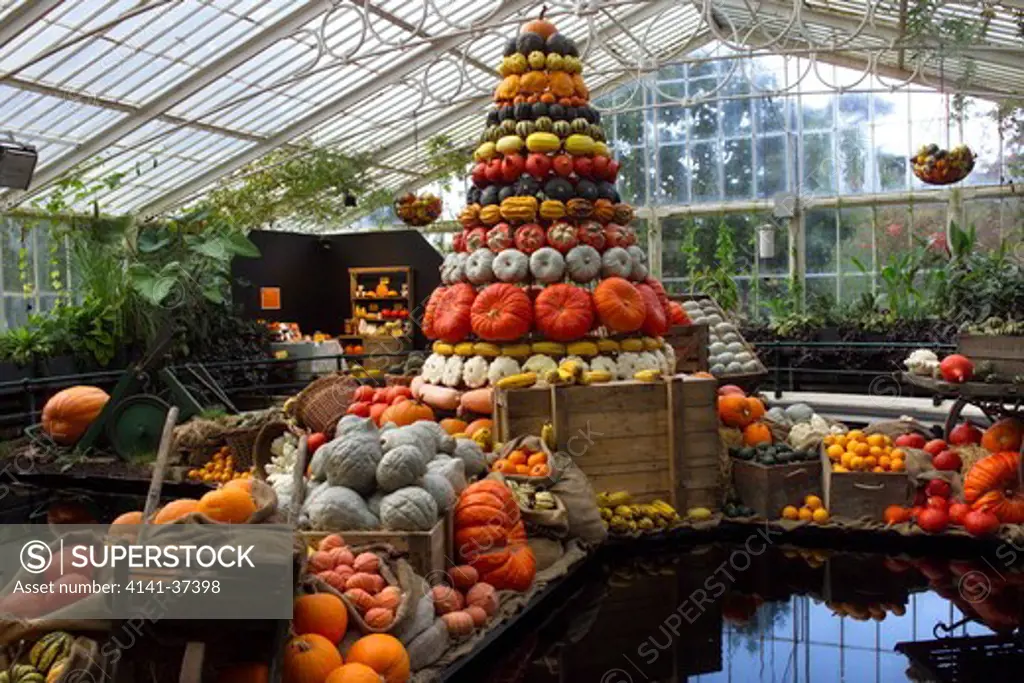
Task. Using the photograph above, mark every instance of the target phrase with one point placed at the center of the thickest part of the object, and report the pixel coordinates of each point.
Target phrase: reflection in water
(722, 613)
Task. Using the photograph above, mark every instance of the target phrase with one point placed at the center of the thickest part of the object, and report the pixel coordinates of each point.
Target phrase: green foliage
(714, 280)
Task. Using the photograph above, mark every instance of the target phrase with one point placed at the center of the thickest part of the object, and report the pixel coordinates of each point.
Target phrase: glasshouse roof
(182, 94)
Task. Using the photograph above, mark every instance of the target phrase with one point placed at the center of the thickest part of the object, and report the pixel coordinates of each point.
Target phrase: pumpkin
(407, 412)
(446, 599)
(250, 672)
(353, 672)
(484, 596)
(379, 617)
(371, 583)
(603, 212)
(620, 307)
(1009, 509)
(384, 654)
(408, 509)
(481, 423)
(340, 556)
(69, 413)
(583, 263)
(562, 236)
(996, 471)
(623, 213)
(676, 314)
(560, 83)
(735, 411)
(518, 210)
(638, 260)
(614, 235)
(499, 237)
(564, 312)
(579, 208)
(227, 505)
(175, 510)
(400, 467)
(310, 658)
(361, 598)
(552, 209)
(390, 597)
(451, 321)
(453, 425)
(655, 324)
(757, 433)
(477, 401)
(547, 265)
(511, 265)
(508, 88)
(320, 613)
(474, 372)
(502, 312)
(533, 82)
(480, 267)
(530, 237)
(452, 374)
(509, 567)
(459, 624)
(476, 238)
(429, 313)
(489, 215)
(489, 536)
(469, 217)
(501, 368)
(616, 262)
(478, 615)
(591, 233)
(1004, 435)
(463, 577)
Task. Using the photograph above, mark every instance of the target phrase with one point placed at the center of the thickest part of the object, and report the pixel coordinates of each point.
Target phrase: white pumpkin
(717, 369)
(716, 348)
(511, 265)
(480, 267)
(440, 488)
(583, 263)
(473, 459)
(547, 265)
(502, 367)
(452, 375)
(433, 368)
(627, 364)
(734, 368)
(540, 364)
(751, 366)
(605, 363)
(400, 467)
(474, 372)
(351, 460)
(338, 507)
(616, 263)
(648, 361)
(446, 268)
(582, 363)
(408, 509)
(638, 260)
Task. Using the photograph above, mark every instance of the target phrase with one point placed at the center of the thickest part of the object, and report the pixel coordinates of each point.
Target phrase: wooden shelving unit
(369, 278)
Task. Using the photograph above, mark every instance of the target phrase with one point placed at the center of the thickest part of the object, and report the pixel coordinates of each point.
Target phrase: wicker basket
(241, 442)
(261, 450)
(320, 405)
(398, 380)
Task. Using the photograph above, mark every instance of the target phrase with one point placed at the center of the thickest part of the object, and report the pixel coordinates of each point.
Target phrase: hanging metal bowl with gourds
(936, 166)
(418, 210)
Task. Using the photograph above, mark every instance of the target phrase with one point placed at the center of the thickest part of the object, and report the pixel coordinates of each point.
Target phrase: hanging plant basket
(936, 166)
(418, 210)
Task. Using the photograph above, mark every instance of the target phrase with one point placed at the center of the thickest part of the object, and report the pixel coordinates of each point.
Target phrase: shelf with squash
(546, 282)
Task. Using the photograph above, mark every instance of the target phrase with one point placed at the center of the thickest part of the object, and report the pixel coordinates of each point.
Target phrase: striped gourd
(48, 650)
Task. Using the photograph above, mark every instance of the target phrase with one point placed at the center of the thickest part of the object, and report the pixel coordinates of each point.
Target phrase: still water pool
(721, 613)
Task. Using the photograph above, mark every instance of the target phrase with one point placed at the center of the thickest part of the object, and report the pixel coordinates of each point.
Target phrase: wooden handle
(869, 487)
(162, 455)
(796, 472)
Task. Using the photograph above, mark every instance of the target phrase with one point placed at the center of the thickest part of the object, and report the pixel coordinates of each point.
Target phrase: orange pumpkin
(227, 505)
(476, 425)
(703, 375)
(540, 26)
(69, 413)
(134, 517)
(1004, 435)
(245, 673)
(310, 658)
(580, 87)
(431, 311)
(539, 470)
(451, 322)
(561, 84)
(757, 433)
(407, 412)
(490, 537)
(534, 82)
(384, 654)
(994, 472)
(175, 510)
(508, 88)
(735, 411)
(354, 672)
(1008, 508)
(501, 312)
(453, 425)
(620, 307)
(756, 408)
(320, 613)
(564, 312)
(240, 484)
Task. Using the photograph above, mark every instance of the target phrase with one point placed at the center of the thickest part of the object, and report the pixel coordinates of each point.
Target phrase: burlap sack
(396, 572)
(429, 646)
(895, 428)
(575, 492)
(85, 663)
(266, 507)
(546, 523)
(920, 471)
(546, 551)
(537, 445)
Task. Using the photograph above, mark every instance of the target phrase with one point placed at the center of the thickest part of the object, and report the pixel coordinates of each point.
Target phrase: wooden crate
(653, 439)
(746, 380)
(1006, 353)
(428, 551)
(768, 489)
(690, 342)
(855, 495)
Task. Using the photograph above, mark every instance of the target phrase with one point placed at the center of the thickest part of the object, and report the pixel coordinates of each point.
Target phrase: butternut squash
(416, 386)
(477, 401)
(442, 398)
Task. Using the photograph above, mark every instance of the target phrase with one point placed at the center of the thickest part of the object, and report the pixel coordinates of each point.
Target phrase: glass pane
(930, 222)
(629, 126)
(817, 112)
(894, 230)
(51, 260)
(771, 165)
(739, 180)
(736, 119)
(856, 228)
(984, 215)
(16, 311)
(672, 183)
(672, 124)
(853, 159)
(705, 162)
(672, 72)
(705, 121)
(771, 114)
(820, 225)
(18, 255)
(818, 166)
(631, 174)
(854, 109)
(821, 287)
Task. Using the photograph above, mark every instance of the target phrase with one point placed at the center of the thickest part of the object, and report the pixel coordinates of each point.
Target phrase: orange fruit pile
(523, 462)
(813, 510)
(220, 468)
(857, 452)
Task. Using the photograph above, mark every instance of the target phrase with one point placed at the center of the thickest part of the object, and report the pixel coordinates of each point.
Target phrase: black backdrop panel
(312, 272)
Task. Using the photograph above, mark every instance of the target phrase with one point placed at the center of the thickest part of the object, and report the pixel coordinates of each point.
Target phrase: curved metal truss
(182, 94)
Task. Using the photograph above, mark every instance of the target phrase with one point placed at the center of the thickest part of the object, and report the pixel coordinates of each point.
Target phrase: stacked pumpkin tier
(547, 268)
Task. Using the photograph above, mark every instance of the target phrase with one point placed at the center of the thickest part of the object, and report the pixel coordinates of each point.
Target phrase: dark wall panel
(312, 272)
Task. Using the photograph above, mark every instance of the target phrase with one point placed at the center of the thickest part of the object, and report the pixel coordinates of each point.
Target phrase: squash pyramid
(547, 266)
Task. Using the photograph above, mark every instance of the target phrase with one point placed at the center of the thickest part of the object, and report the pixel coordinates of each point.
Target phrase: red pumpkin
(562, 236)
(948, 461)
(452, 320)
(529, 238)
(956, 368)
(490, 537)
(963, 434)
(406, 412)
(1004, 435)
(499, 238)
(655, 323)
(620, 307)
(933, 520)
(564, 312)
(614, 236)
(957, 513)
(981, 523)
(591, 233)
(676, 314)
(476, 239)
(511, 567)
(459, 243)
(69, 413)
(659, 290)
(628, 236)
(502, 312)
